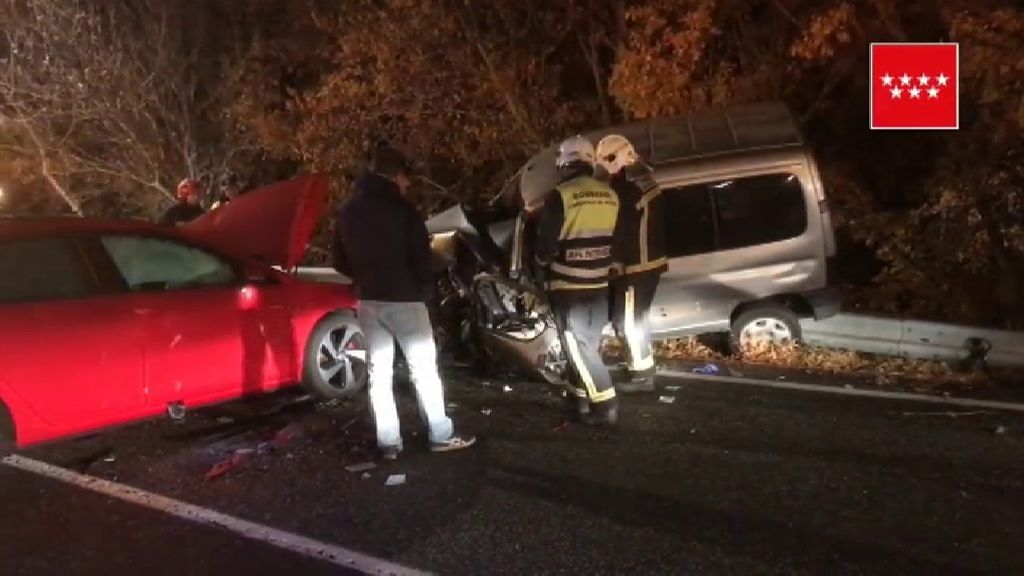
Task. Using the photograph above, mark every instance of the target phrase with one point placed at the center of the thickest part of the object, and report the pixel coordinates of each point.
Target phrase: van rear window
(736, 213)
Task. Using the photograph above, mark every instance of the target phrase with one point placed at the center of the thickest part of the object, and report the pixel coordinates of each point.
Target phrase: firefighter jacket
(641, 222)
(576, 235)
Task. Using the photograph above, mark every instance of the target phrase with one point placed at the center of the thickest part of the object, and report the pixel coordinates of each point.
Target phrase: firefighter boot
(642, 381)
(603, 414)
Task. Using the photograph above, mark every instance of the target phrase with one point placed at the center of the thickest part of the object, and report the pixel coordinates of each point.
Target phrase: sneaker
(390, 452)
(456, 442)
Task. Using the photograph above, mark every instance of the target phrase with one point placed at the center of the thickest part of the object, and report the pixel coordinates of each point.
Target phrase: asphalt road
(725, 479)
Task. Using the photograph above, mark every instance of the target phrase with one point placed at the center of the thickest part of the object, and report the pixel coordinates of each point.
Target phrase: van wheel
(765, 325)
(335, 360)
(6, 431)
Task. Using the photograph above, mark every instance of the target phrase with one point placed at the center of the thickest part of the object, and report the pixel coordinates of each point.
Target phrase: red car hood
(272, 224)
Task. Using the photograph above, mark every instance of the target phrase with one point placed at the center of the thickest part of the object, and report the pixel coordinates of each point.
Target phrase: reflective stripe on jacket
(585, 241)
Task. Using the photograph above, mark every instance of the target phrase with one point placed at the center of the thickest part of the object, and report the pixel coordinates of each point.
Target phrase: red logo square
(914, 86)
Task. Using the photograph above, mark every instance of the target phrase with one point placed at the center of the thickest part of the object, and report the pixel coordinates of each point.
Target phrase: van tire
(328, 332)
(7, 434)
(773, 322)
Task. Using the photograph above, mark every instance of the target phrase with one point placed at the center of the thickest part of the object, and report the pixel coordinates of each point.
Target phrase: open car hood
(657, 140)
(271, 224)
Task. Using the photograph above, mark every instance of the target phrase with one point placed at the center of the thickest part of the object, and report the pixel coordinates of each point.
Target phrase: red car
(107, 322)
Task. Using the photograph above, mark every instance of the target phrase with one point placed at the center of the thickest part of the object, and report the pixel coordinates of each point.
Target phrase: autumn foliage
(929, 222)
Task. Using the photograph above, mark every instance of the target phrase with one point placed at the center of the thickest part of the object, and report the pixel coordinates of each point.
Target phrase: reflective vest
(590, 210)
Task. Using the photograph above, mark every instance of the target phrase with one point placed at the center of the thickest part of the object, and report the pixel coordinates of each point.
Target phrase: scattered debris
(486, 411)
(395, 480)
(109, 458)
(366, 476)
(507, 388)
(708, 368)
(286, 436)
(560, 426)
(361, 467)
(452, 405)
(667, 399)
(848, 386)
(486, 383)
(671, 388)
(693, 430)
(224, 466)
(1001, 430)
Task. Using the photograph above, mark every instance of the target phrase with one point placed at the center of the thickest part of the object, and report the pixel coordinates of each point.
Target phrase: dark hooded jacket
(381, 243)
(641, 230)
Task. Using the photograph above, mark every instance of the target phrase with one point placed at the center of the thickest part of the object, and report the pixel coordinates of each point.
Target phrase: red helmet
(187, 188)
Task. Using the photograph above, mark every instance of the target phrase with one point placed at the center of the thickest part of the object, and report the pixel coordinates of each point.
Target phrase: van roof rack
(714, 131)
(722, 130)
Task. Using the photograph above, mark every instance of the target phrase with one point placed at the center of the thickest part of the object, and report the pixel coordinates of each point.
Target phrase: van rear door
(828, 234)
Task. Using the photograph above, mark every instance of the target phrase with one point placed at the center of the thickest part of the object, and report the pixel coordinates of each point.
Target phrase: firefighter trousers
(632, 297)
(581, 317)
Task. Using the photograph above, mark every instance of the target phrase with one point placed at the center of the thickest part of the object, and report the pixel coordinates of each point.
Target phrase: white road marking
(293, 542)
(907, 396)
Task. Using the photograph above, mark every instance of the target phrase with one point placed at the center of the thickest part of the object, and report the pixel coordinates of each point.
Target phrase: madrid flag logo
(915, 86)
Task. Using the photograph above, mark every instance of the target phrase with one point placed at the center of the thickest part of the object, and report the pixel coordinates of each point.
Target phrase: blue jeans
(409, 323)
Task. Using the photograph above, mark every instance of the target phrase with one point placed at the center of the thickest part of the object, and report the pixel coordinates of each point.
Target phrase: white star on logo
(896, 92)
(933, 93)
(887, 80)
(942, 78)
(915, 92)
(923, 79)
(905, 79)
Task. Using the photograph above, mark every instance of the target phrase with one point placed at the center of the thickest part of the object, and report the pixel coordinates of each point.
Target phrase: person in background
(575, 250)
(187, 207)
(381, 243)
(642, 226)
(228, 192)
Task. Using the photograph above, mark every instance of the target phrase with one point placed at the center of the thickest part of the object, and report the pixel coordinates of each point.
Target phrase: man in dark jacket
(575, 249)
(642, 231)
(188, 208)
(381, 243)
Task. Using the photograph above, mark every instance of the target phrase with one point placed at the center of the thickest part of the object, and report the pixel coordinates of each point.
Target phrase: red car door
(70, 351)
(205, 329)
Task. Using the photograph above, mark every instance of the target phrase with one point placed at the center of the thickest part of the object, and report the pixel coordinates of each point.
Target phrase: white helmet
(575, 149)
(615, 152)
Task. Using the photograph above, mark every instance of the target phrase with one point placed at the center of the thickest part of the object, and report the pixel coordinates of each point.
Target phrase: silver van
(750, 236)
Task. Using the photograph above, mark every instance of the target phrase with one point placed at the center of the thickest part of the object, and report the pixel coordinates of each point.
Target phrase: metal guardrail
(915, 338)
(871, 334)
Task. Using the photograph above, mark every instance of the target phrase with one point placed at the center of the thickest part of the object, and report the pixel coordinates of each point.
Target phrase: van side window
(43, 269)
(759, 210)
(689, 229)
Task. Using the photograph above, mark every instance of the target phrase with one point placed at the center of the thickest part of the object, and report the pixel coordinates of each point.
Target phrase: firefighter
(575, 252)
(641, 224)
(187, 208)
